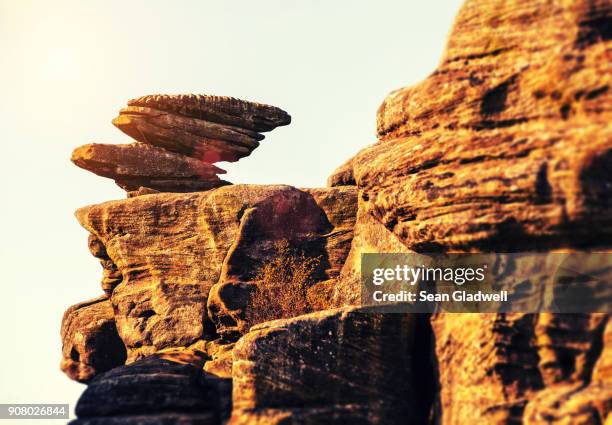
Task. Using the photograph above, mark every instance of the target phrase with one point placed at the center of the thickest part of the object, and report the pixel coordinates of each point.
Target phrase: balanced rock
(209, 128)
(181, 137)
(138, 165)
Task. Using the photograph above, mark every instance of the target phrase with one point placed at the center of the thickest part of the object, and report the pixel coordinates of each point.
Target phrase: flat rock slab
(138, 165)
(220, 109)
(209, 128)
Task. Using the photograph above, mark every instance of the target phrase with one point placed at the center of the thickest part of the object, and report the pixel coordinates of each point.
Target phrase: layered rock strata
(209, 128)
(512, 153)
(164, 254)
(336, 366)
(514, 150)
(180, 138)
(505, 147)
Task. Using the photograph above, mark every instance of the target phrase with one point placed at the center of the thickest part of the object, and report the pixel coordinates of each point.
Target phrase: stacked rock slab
(179, 138)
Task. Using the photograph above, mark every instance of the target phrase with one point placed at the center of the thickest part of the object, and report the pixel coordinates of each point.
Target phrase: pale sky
(66, 69)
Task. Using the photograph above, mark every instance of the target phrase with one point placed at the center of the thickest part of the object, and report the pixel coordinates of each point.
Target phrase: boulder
(335, 366)
(168, 387)
(90, 342)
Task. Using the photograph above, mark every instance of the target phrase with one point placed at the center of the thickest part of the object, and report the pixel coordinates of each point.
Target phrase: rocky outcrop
(507, 144)
(90, 343)
(359, 363)
(181, 137)
(162, 254)
(505, 147)
(516, 367)
(512, 153)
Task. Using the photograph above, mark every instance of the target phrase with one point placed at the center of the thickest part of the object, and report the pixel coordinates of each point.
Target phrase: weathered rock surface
(209, 128)
(342, 176)
(505, 147)
(324, 222)
(220, 109)
(369, 236)
(181, 137)
(90, 343)
(519, 368)
(165, 388)
(163, 253)
(138, 165)
(337, 366)
(111, 276)
(508, 143)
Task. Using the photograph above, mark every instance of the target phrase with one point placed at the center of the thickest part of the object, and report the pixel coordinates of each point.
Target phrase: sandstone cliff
(507, 146)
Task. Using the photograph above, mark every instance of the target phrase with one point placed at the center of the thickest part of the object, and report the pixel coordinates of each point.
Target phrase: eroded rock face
(336, 366)
(170, 249)
(500, 147)
(514, 368)
(505, 147)
(369, 236)
(324, 231)
(90, 342)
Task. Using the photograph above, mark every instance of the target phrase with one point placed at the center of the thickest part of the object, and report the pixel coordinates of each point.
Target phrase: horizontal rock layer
(139, 165)
(203, 140)
(219, 109)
